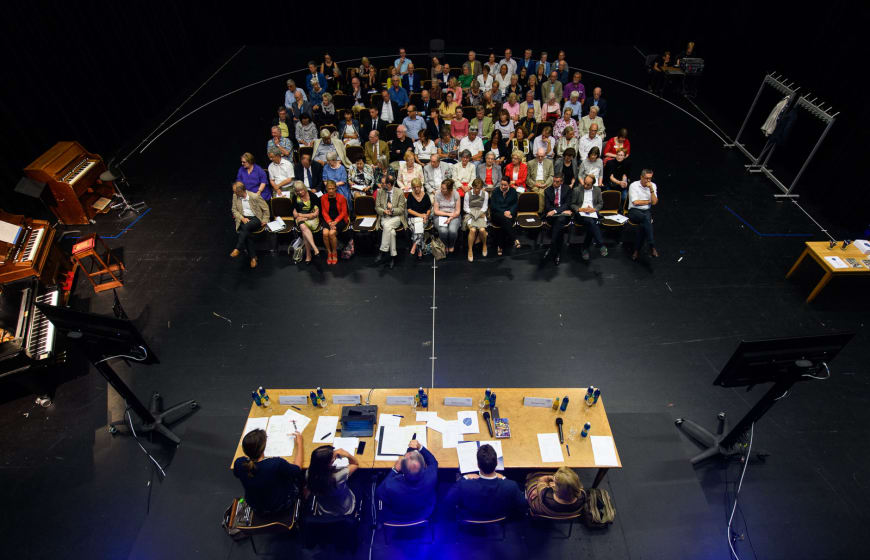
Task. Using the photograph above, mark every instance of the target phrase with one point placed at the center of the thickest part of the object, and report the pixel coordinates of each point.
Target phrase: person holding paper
(487, 495)
(408, 491)
(475, 217)
(503, 212)
(250, 213)
(557, 199)
(588, 200)
(642, 196)
(281, 173)
(446, 209)
(271, 485)
(328, 483)
(559, 495)
(306, 212)
(419, 209)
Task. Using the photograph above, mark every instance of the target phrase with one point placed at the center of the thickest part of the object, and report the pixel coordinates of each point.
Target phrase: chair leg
(386, 535)
(254, 546)
(570, 527)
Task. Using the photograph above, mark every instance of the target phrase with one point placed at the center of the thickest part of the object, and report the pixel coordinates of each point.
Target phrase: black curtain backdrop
(106, 73)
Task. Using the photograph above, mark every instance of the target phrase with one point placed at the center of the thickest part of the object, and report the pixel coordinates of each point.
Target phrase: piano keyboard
(31, 247)
(40, 339)
(78, 170)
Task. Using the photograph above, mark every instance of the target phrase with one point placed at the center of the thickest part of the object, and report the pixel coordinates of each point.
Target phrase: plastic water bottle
(596, 395)
(585, 431)
(556, 403)
(257, 400)
(264, 397)
(424, 400)
(487, 394)
(491, 401)
(564, 404)
(321, 397)
(590, 396)
(314, 399)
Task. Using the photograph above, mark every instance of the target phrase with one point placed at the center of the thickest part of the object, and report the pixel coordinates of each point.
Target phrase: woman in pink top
(459, 125)
(453, 85)
(512, 107)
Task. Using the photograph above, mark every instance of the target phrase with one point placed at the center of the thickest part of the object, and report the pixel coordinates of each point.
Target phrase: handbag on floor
(437, 248)
(239, 514)
(347, 252)
(598, 511)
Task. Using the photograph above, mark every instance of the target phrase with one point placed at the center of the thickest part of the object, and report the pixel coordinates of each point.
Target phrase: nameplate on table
(541, 402)
(458, 401)
(399, 400)
(345, 399)
(292, 399)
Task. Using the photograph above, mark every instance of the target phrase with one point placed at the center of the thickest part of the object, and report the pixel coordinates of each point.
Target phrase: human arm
(299, 451)
(353, 462)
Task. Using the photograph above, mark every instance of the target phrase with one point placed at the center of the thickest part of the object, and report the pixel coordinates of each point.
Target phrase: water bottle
(556, 403)
(487, 394)
(590, 395)
(424, 400)
(321, 397)
(596, 395)
(264, 397)
(564, 404)
(585, 431)
(313, 397)
(257, 400)
(491, 401)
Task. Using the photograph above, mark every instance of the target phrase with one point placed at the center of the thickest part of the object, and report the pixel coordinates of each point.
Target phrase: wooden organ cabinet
(72, 174)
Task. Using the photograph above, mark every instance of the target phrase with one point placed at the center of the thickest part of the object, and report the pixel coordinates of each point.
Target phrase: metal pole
(809, 157)
(746, 120)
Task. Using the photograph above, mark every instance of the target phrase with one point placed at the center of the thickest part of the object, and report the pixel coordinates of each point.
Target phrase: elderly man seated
(590, 119)
(281, 174)
(408, 492)
(250, 213)
(390, 206)
(540, 175)
(280, 143)
(588, 201)
(531, 103)
(329, 143)
(375, 148)
(597, 101)
(434, 173)
(473, 144)
(589, 140)
(574, 104)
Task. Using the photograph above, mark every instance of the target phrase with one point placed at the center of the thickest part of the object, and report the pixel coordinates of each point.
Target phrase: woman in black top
(419, 209)
(270, 484)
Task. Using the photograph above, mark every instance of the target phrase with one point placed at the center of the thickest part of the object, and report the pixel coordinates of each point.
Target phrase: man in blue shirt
(410, 81)
(399, 95)
(414, 123)
(487, 495)
(402, 63)
(408, 491)
(314, 75)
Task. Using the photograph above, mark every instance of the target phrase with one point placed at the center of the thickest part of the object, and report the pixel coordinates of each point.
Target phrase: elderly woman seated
(475, 206)
(568, 140)
(306, 212)
(408, 171)
(361, 178)
(563, 123)
(557, 495)
(592, 117)
(419, 211)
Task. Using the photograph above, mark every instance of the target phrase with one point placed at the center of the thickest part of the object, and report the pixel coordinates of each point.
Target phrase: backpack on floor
(598, 511)
(239, 514)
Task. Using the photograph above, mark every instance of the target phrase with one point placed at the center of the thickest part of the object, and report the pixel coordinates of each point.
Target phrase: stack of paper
(837, 262)
(324, 432)
(279, 438)
(551, 449)
(468, 422)
(396, 439)
(255, 424)
(466, 451)
(301, 421)
(387, 420)
(367, 222)
(618, 218)
(276, 225)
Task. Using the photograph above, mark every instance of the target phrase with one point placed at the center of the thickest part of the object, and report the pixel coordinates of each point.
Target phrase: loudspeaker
(30, 187)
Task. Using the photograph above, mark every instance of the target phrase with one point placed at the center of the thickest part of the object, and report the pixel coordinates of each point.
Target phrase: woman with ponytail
(270, 484)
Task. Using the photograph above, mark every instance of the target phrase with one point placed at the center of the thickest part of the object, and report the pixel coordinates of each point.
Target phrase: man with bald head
(408, 491)
(596, 101)
(588, 140)
(399, 145)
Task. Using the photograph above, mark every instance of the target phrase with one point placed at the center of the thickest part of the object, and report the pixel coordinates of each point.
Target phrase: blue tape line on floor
(120, 233)
(747, 224)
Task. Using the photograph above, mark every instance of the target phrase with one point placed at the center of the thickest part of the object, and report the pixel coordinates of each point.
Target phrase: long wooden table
(818, 250)
(520, 450)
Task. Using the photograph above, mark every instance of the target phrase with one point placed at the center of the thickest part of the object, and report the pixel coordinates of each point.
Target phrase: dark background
(106, 74)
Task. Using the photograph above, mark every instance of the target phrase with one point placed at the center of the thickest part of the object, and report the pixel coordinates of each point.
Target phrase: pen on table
(294, 425)
(568, 449)
(398, 415)
(323, 437)
(296, 407)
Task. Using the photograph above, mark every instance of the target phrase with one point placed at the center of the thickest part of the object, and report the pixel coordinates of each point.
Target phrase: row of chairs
(384, 73)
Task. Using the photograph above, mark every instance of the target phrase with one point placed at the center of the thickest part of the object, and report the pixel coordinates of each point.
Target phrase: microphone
(559, 425)
(488, 423)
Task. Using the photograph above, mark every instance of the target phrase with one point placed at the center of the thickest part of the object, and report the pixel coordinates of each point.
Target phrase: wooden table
(818, 250)
(520, 450)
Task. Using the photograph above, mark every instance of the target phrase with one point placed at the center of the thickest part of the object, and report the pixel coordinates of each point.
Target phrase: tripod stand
(117, 178)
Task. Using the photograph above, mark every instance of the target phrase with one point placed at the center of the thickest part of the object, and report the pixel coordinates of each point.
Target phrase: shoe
(470, 256)
(499, 251)
(419, 258)
(634, 256)
(557, 259)
(392, 262)
(584, 255)
(653, 252)
(603, 251)
(254, 262)
(380, 258)
(483, 251)
(517, 244)
(235, 253)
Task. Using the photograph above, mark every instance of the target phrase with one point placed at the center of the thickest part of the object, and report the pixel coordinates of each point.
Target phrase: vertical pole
(746, 120)
(809, 157)
(432, 358)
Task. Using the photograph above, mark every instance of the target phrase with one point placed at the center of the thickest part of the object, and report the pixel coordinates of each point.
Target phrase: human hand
(245, 220)
(507, 214)
(551, 213)
(297, 436)
(415, 444)
(567, 212)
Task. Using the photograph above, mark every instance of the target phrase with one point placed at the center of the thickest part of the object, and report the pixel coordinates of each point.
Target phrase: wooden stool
(87, 249)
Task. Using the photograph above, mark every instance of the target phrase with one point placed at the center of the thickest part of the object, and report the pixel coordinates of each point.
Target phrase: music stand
(781, 361)
(100, 338)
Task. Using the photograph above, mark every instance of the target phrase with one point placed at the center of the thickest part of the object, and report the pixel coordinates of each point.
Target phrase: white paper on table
(468, 422)
(408, 435)
(837, 262)
(301, 420)
(396, 439)
(466, 451)
(324, 432)
(425, 416)
(551, 449)
(255, 424)
(529, 219)
(367, 222)
(279, 442)
(604, 451)
(442, 221)
(349, 444)
(387, 420)
(589, 214)
(450, 435)
(437, 423)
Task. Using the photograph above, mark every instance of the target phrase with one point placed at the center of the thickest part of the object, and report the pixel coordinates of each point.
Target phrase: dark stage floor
(652, 335)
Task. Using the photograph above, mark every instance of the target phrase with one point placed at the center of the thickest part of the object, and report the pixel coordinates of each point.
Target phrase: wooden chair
(485, 523)
(275, 524)
(283, 208)
(611, 208)
(390, 132)
(528, 217)
(469, 111)
(364, 207)
(556, 521)
(342, 101)
(354, 153)
(86, 255)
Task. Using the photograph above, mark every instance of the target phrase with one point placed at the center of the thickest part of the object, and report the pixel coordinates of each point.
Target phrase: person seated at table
(566, 142)
(592, 118)
(473, 144)
(475, 94)
(335, 171)
(333, 210)
(448, 147)
(448, 107)
(588, 141)
(475, 206)
(408, 171)
(271, 484)
(559, 495)
(486, 495)
(596, 101)
(326, 144)
(642, 196)
(306, 131)
(563, 123)
(447, 205)
(300, 106)
(390, 205)
(361, 178)
(615, 143)
(348, 129)
(309, 172)
(545, 142)
(490, 172)
(568, 168)
(253, 177)
(540, 175)
(328, 483)
(592, 165)
(250, 213)
(281, 174)
(464, 172)
(306, 212)
(573, 103)
(516, 171)
(498, 146)
(503, 213)
(419, 210)
(459, 125)
(408, 491)
(557, 212)
(520, 143)
(588, 200)
(434, 173)
(616, 174)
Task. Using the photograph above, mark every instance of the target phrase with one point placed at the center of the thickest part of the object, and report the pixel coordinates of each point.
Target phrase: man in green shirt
(483, 124)
(466, 78)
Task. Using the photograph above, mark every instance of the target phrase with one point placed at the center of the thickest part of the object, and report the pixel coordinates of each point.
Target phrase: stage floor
(652, 335)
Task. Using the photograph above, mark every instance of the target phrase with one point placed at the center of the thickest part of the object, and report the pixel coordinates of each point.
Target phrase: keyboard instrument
(27, 338)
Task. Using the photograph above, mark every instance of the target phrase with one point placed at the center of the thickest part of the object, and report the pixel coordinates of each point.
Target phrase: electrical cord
(737, 493)
(817, 377)
(142, 359)
(136, 437)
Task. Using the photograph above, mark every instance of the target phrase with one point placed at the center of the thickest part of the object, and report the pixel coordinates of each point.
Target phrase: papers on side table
(468, 422)
(837, 262)
(551, 449)
(618, 218)
(367, 222)
(604, 451)
(276, 225)
(324, 432)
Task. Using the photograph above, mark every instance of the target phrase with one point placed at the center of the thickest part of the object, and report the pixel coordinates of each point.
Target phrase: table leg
(599, 476)
(822, 283)
(797, 263)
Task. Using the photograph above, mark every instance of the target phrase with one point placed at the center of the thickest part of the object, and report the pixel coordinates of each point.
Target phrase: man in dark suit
(389, 109)
(408, 491)
(374, 122)
(596, 99)
(426, 105)
(487, 495)
(309, 172)
(410, 81)
(557, 212)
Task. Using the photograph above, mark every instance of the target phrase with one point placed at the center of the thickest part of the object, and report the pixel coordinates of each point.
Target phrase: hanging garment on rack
(770, 124)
